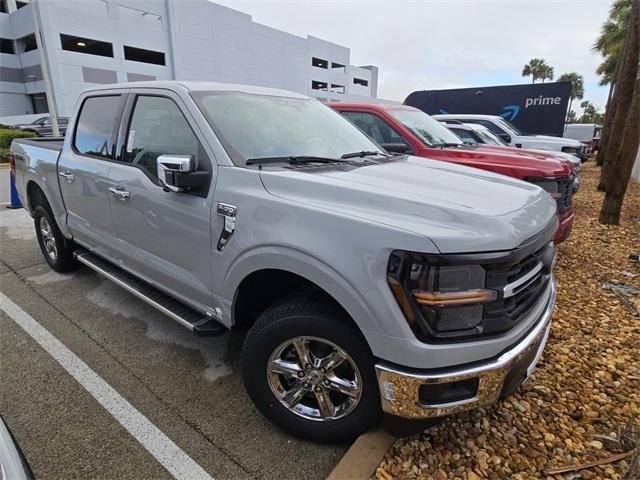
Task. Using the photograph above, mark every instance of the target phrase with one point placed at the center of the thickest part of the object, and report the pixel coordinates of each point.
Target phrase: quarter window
(158, 127)
(94, 133)
(376, 128)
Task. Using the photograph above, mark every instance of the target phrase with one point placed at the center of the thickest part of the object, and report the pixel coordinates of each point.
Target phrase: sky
(433, 44)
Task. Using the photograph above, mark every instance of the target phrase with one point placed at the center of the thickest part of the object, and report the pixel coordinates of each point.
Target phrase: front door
(83, 173)
(164, 236)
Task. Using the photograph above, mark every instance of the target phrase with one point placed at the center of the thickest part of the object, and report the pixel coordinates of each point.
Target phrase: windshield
(489, 138)
(510, 126)
(430, 131)
(264, 126)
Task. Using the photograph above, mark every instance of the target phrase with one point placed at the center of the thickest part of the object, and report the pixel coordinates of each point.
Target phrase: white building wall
(200, 39)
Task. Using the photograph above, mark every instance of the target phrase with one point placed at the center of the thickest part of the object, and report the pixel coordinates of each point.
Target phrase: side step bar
(197, 322)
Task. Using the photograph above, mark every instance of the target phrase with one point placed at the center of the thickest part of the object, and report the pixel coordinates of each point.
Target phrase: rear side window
(95, 130)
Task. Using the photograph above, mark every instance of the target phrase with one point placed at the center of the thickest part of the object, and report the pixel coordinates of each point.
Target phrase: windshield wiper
(446, 145)
(292, 159)
(360, 154)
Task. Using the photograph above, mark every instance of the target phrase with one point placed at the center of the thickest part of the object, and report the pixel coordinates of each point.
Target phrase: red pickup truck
(404, 129)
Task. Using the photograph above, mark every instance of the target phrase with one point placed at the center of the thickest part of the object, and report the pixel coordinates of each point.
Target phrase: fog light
(448, 392)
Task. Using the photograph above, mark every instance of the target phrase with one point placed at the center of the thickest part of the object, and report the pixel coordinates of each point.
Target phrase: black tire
(63, 260)
(309, 315)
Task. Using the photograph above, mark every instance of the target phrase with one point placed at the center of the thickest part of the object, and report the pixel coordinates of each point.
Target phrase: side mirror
(505, 136)
(177, 173)
(397, 147)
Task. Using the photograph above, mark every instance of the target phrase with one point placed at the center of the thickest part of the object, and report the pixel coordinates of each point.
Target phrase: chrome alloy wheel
(48, 239)
(314, 378)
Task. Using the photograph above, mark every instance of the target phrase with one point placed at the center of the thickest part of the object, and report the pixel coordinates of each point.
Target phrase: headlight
(448, 298)
(548, 184)
(572, 150)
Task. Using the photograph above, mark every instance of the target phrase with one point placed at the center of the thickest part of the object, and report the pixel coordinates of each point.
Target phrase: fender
(57, 208)
(300, 263)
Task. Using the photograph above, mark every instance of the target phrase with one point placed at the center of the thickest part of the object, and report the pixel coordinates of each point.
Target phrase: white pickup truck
(367, 283)
(515, 138)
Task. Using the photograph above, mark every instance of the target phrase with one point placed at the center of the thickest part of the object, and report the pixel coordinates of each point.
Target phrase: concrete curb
(363, 457)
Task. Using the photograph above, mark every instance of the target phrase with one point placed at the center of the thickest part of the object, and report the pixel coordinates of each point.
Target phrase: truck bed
(50, 143)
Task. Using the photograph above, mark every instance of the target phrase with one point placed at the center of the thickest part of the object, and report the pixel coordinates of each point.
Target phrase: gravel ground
(586, 386)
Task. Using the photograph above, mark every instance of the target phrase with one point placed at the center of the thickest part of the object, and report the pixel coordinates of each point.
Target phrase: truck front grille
(565, 189)
(531, 275)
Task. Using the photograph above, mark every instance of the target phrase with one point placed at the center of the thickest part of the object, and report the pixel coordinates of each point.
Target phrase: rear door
(164, 236)
(83, 172)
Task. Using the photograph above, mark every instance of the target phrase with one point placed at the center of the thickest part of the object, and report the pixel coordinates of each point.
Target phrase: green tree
(577, 87)
(572, 117)
(538, 69)
(624, 126)
(590, 113)
(609, 43)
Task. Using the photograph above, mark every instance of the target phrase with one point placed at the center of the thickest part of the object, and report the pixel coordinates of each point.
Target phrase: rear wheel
(310, 371)
(56, 249)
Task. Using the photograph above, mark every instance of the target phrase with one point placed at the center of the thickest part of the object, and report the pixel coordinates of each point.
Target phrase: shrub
(6, 136)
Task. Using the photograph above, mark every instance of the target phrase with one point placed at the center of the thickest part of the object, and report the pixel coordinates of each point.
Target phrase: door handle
(67, 175)
(120, 193)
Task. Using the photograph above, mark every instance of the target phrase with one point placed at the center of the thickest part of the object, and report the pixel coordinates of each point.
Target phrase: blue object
(15, 200)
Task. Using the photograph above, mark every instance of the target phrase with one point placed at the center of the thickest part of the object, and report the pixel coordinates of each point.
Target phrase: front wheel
(310, 372)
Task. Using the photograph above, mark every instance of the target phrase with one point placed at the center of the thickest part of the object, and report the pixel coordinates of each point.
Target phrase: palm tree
(538, 69)
(577, 86)
(609, 43)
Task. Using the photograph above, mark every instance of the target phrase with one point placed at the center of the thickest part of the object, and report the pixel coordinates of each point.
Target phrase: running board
(197, 322)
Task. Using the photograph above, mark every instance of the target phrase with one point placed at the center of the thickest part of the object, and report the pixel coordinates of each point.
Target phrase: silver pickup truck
(371, 285)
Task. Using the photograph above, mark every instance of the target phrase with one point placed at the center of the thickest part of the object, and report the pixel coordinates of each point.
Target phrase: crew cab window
(376, 128)
(158, 127)
(95, 130)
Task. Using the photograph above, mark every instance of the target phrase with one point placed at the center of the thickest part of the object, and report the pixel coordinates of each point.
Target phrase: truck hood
(459, 209)
(509, 161)
(552, 160)
(565, 142)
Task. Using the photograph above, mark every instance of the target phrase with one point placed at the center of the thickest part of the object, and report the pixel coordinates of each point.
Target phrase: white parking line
(170, 456)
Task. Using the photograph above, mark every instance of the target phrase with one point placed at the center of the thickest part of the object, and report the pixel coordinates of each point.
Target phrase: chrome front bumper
(400, 391)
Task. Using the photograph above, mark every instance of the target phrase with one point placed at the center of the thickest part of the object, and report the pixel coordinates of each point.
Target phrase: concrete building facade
(105, 41)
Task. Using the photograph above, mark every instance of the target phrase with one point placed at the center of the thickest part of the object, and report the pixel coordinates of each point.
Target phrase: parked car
(515, 138)
(42, 126)
(371, 285)
(476, 134)
(13, 464)
(407, 129)
(586, 133)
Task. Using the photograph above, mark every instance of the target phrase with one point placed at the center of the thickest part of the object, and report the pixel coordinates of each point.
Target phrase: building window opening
(27, 44)
(3, 6)
(141, 55)
(6, 46)
(320, 63)
(337, 88)
(86, 45)
(338, 66)
(20, 4)
(361, 82)
(319, 85)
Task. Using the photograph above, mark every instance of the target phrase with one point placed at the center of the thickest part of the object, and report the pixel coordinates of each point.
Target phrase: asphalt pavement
(187, 387)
